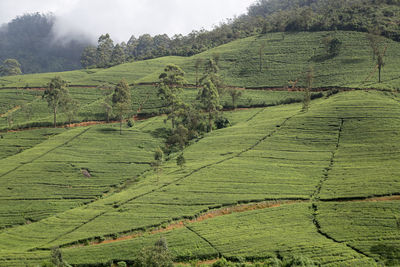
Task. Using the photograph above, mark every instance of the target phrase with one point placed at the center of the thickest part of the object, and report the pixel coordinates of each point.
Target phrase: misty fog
(77, 19)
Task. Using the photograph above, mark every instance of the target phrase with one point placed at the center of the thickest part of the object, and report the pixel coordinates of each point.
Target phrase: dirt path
(205, 216)
(226, 211)
(10, 111)
(79, 124)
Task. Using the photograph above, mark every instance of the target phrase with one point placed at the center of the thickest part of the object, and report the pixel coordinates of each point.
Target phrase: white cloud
(122, 18)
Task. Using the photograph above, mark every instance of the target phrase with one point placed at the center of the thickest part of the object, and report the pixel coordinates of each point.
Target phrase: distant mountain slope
(29, 39)
(284, 58)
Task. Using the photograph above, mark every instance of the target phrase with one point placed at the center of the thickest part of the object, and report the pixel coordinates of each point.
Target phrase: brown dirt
(230, 210)
(205, 216)
(380, 199)
(10, 111)
(72, 125)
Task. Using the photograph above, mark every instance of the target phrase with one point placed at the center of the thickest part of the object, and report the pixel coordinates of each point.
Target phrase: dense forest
(379, 16)
(30, 40)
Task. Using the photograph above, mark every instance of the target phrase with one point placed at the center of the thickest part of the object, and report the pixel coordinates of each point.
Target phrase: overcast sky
(122, 18)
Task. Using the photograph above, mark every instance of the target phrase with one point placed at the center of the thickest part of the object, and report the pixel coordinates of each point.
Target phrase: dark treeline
(262, 17)
(30, 40)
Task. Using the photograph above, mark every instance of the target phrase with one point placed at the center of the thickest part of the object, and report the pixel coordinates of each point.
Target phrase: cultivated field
(278, 182)
(285, 58)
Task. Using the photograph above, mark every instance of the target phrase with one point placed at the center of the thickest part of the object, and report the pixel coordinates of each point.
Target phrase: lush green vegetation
(88, 167)
(273, 153)
(30, 39)
(25, 108)
(275, 181)
(283, 60)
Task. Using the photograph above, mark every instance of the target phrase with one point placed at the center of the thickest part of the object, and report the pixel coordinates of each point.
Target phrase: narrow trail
(10, 111)
(319, 230)
(315, 196)
(204, 239)
(234, 208)
(325, 177)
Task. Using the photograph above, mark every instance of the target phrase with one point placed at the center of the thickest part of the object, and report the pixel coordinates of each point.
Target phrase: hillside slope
(286, 57)
(272, 154)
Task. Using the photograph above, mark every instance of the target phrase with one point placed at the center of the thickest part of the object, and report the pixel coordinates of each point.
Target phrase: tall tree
(197, 63)
(104, 51)
(56, 95)
(71, 108)
(209, 98)
(89, 57)
(379, 47)
(235, 94)
(131, 47)
(122, 102)
(170, 88)
(118, 55)
(11, 67)
(307, 91)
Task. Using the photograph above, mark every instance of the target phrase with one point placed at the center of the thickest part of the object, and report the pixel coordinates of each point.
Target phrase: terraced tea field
(26, 108)
(319, 184)
(282, 59)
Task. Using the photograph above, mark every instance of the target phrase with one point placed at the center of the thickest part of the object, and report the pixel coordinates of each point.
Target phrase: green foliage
(56, 257)
(158, 157)
(104, 52)
(307, 90)
(31, 39)
(118, 55)
(235, 95)
(332, 46)
(121, 264)
(379, 47)
(130, 123)
(209, 99)
(56, 95)
(179, 137)
(181, 161)
(299, 261)
(222, 122)
(156, 256)
(170, 89)
(10, 67)
(122, 101)
(88, 57)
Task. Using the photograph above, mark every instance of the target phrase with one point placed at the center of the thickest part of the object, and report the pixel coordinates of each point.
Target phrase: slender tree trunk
(120, 125)
(379, 70)
(197, 77)
(209, 121)
(55, 117)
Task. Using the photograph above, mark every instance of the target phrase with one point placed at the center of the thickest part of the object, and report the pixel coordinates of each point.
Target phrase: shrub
(130, 123)
(155, 256)
(316, 95)
(332, 92)
(121, 264)
(222, 122)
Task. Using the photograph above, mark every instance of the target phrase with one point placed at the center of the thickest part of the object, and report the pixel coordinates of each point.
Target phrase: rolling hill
(279, 182)
(286, 57)
(298, 171)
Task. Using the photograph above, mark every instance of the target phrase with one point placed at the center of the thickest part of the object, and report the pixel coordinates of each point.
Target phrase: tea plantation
(278, 154)
(284, 58)
(279, 181)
